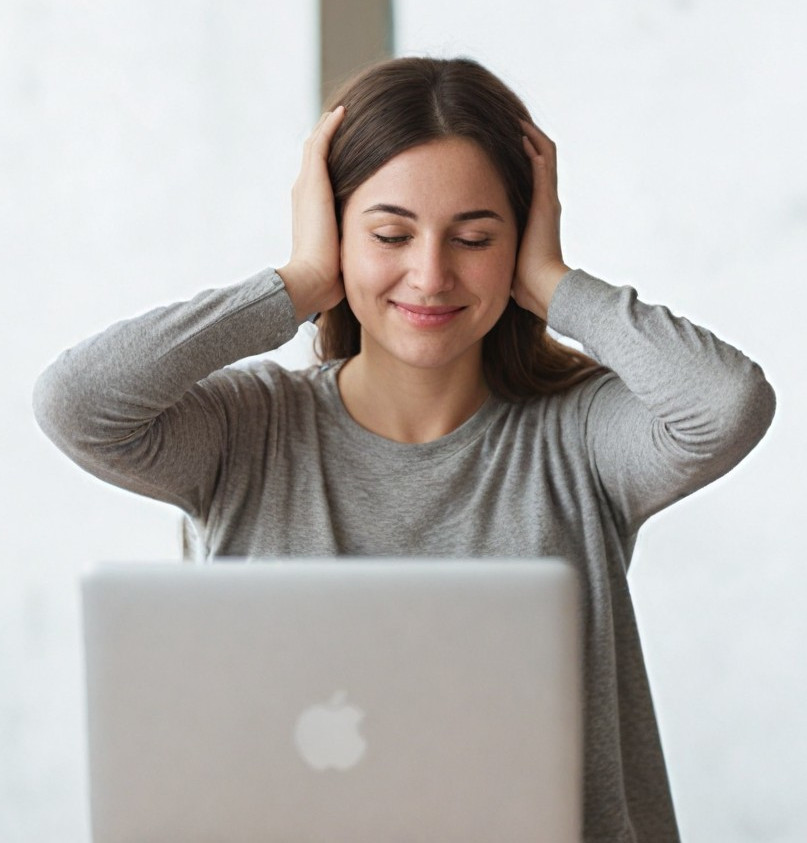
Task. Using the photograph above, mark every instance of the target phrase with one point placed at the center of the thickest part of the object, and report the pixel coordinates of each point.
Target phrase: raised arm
(131, 404)
(681, 408)
(139, 405)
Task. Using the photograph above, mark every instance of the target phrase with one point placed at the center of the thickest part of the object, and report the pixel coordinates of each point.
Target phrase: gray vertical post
(353, 33)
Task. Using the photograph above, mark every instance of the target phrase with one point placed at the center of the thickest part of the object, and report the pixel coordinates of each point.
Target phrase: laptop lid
(334, 700)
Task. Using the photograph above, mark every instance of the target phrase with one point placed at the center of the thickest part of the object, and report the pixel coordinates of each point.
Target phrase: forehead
(450, 174)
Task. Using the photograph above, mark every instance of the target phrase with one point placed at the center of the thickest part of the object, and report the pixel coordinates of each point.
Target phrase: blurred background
(147, 151)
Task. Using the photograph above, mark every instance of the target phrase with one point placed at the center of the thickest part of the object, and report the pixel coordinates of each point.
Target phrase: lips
(425, 317)
(427, 311)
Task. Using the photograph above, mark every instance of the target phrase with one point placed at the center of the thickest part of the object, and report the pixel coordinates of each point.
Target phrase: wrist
(299, 291)
(537, 291)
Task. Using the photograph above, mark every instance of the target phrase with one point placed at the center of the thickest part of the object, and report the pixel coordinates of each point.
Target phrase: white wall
(147, 151)
(682, 131)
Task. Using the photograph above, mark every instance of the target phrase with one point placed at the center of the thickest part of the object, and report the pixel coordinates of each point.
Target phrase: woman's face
(428, 252)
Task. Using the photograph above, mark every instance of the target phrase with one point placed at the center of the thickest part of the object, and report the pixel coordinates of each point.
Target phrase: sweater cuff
(285, 320)
(576, 304)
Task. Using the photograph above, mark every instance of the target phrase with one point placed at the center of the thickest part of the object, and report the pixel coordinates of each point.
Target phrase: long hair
(401, 103)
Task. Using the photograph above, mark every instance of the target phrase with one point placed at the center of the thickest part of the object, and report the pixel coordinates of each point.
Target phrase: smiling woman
(398, 106)
(427, 275)
(443, 420)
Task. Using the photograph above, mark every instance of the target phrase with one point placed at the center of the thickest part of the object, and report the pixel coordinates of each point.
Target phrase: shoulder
(563, 422)
(260, 401)
(258, 377)
(575, 401)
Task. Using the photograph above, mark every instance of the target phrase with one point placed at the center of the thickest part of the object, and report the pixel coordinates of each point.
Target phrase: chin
(429, 356)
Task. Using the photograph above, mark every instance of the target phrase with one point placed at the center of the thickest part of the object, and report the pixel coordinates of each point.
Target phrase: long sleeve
(681, 408)
(129, 404)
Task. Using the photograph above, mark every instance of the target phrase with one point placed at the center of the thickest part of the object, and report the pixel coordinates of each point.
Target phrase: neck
(409, 404)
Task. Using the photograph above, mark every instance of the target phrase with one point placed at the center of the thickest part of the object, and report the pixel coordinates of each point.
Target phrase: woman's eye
(398, 239)
(474, 244)
(382, 238)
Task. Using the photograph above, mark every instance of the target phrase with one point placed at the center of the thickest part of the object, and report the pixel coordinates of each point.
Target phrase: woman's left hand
(539, 265)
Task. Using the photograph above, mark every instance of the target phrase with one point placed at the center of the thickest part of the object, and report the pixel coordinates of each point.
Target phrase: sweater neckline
(402, 455)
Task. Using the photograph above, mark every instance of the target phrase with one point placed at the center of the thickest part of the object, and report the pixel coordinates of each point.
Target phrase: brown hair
(405, 102)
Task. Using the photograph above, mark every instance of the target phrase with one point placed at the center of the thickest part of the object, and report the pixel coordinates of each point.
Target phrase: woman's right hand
(313, 275)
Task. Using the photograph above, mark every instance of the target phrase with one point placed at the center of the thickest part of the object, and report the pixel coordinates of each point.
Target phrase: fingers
(315, 152)
(319, 141)
(542, 152)
(539, 140)
(540, 261)
(312, 275)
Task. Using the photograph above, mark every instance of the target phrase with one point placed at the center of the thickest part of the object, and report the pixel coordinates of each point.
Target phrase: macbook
(356, 700)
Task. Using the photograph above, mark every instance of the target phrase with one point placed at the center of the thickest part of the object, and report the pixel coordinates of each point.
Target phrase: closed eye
(391, 241)
(398, 239)
(473, 244)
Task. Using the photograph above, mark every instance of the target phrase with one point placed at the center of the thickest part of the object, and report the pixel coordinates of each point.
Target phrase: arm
(138, 405)
(682, 408)
(131, 404)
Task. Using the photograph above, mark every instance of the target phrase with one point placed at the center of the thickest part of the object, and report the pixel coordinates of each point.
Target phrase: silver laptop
(364, 701)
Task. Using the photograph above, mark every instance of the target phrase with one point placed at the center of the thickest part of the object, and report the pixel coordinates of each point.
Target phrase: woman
(443, 420)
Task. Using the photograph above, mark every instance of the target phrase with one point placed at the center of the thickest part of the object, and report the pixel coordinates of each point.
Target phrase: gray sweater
(267, 462)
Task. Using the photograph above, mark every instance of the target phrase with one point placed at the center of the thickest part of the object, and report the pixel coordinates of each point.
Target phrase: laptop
(360, 700)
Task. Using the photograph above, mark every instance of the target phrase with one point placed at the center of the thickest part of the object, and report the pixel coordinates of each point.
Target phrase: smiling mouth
(426, 317)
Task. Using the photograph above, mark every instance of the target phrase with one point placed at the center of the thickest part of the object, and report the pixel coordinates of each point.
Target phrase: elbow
(726, 422)
(51, 404)
(747, 411)
(758, 401)
(728, 426)
(61, 407)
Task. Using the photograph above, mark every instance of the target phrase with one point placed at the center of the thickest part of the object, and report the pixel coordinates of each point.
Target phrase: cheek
(366, 269)
(355, 256)
(361, 275)
(496, 278)
(502, 300)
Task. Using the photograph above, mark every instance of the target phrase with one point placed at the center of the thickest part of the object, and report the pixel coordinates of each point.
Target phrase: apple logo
(327, 735)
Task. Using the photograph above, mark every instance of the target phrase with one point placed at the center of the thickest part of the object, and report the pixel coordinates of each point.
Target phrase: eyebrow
(464, 216)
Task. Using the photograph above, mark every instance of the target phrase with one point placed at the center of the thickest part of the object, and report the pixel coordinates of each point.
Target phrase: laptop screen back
(334, 700)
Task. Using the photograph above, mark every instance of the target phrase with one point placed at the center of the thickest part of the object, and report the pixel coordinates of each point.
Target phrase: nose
(431, 271)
